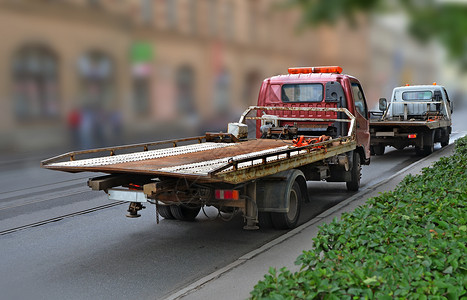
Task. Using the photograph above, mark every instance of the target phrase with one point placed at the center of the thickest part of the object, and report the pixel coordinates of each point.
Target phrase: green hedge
(406, 244)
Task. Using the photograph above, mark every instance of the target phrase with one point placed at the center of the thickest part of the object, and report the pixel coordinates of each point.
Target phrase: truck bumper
(398, 139)
(127, 195)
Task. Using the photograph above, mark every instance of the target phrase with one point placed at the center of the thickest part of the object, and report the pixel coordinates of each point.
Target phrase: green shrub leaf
(409, 243)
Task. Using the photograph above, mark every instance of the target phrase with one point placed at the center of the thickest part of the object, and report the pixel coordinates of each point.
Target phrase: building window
(96, 72)
(141, 88)
(185, 79)
(35, 82)
(253, 16)
(222, 92)
(212, 16)
(251, 88)
(229, 20)
(95, 3)
(171, 12)
(147, 11)
(141, 57)
(193, 7)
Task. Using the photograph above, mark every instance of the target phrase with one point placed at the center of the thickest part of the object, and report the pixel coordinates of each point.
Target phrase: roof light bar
(307, 70)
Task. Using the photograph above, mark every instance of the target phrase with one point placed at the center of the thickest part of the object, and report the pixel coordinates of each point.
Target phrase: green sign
(141, 52)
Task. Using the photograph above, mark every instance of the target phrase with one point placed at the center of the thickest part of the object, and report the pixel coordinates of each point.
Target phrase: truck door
(362, 117)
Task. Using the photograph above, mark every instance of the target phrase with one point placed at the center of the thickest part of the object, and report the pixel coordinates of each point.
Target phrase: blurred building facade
(91, 73)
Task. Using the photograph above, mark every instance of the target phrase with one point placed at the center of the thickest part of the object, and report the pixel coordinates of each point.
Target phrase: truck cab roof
(426, 87)
(418, 92)
(308, 77)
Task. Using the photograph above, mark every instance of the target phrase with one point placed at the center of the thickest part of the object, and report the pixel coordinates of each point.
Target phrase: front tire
(289, 219)
(356, 173)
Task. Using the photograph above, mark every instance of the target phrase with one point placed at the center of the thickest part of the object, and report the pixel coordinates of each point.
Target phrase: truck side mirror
(383, 104)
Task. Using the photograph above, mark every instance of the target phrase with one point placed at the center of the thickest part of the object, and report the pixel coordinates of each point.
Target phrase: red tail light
(133, 186)
(227, 194)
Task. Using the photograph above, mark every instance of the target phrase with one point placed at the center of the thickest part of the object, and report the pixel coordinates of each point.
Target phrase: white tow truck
(418, 116)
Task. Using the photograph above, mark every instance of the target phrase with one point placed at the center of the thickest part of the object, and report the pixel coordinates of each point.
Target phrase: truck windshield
(416, 95)
(302, 92)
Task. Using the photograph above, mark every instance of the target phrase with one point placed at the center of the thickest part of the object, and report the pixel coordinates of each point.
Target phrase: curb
(245, 258)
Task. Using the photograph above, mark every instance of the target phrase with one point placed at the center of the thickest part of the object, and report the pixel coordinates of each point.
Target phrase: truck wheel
(264, 219)
(354, 184)
(379, 149)
(429, 146)
(164, 211)
(289, 219)
(445, 141)
(418, 151)
(185, 212)
(428, 149)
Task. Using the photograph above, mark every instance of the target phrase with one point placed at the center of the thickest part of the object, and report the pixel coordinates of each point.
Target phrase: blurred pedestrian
(74, 123)
(86, 128)
(116, 127)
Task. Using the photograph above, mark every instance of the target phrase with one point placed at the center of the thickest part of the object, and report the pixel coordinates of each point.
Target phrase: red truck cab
(321, 87)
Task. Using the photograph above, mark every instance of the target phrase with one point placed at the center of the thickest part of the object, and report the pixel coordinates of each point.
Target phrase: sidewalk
(236, 280)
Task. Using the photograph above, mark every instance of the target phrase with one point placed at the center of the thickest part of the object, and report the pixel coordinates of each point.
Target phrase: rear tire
(356, 173)
(428, 149)
(185, 212)
(289, 219)
(264, 219)
(429, 143)
(445, 141)
(165, 211)
(418, 151)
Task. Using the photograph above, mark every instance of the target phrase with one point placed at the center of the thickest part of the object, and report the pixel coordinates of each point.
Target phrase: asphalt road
(101, 254)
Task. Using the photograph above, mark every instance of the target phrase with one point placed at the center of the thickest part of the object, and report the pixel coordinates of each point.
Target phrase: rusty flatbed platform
(208, 161)
(190, 155)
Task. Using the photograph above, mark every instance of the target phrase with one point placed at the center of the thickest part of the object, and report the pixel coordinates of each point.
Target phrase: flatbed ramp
(207, 161)
(189, 159)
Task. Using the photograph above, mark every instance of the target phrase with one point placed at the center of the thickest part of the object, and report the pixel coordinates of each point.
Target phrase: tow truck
(311, 124)
(418, 115)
